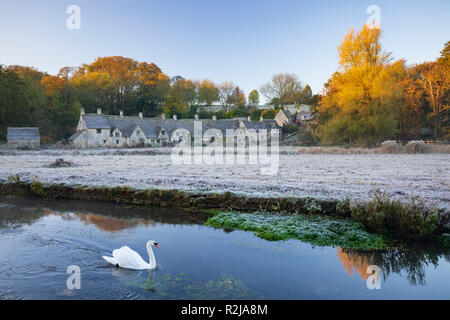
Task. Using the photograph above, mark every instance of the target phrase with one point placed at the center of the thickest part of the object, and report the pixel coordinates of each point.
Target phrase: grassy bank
(389, 147)
(317, 230)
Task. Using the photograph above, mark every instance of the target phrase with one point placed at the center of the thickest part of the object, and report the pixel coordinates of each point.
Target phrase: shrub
(37, 187)
(416, 147)
(390, 146)
(406, 221)
(14, 179)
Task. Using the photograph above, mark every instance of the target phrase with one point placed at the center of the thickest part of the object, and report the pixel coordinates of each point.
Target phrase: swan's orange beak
(156, 245)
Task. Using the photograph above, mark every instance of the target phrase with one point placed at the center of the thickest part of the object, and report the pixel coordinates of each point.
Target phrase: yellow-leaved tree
(361, 99)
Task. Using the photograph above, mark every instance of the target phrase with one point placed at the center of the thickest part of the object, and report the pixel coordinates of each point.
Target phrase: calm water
(39, 240)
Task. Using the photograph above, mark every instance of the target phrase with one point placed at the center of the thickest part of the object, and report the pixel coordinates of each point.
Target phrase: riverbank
(371, 226)
(319, 176)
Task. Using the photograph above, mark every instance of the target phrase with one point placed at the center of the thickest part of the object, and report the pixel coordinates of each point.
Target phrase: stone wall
(172, 198)
(24, 144)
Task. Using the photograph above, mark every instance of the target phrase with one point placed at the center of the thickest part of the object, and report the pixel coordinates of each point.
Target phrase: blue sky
(245, 41)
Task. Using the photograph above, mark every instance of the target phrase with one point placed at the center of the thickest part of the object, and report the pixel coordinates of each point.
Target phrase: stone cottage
(24, 138)
(99, 130)
(286, 116)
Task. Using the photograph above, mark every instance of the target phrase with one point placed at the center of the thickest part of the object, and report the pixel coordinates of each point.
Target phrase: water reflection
(13, 217)
(107, 217)
(104, 223)
(411, 262)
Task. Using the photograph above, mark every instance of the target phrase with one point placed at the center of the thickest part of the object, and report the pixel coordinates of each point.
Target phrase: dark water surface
(40, 239)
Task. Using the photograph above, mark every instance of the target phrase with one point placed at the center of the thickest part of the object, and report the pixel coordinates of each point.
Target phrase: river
(41, 239)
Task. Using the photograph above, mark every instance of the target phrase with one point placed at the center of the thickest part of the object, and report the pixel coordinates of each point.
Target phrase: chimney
(249, 118)
(83, 111)
(214, 117)
(175, 117)
(196, 117)
(121, 114)
(261, 119)
(99, 111)
(163, 116)
(141, 115)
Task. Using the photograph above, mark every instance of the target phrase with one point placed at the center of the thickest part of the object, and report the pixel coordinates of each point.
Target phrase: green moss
(316, 230)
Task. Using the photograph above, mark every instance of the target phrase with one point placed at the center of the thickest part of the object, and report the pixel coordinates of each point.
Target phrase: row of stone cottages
(100, 130)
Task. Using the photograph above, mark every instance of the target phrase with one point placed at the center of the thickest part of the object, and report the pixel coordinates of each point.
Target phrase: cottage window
(163, 132)
(99, 131)
(117, 141)
(104, 141)
(117, 134)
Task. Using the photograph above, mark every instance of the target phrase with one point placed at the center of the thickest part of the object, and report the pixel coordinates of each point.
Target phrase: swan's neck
(151, 256)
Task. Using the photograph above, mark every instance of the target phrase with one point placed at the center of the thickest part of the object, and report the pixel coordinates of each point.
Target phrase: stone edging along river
(172, 198)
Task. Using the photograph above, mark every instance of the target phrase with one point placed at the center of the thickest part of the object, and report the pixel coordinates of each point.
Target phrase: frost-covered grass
(317, 230)
(316, 175)
(407, 221)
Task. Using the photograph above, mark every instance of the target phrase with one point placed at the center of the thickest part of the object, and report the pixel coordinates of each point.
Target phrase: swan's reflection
(142, 279)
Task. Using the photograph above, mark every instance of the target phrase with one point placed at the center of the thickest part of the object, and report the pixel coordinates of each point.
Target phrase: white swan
(129, 259)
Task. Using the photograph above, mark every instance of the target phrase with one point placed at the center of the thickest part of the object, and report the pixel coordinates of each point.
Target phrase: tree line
(29, 97)
(371, 97)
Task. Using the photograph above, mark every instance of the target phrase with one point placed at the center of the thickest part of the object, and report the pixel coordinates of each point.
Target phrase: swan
(129, 259)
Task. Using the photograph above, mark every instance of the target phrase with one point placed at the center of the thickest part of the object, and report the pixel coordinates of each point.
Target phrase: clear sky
(245, 41)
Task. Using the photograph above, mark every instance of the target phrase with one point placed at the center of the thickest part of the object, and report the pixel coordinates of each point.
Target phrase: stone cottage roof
(222, 125)
(270, 124)
(24, 133)
(286, 113)
(153, 126)
(96, 122)
(303, 115)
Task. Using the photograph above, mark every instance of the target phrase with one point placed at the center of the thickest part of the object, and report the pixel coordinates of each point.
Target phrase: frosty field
(316, 175)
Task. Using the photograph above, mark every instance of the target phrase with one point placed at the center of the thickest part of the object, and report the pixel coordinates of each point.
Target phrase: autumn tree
(412, 107)
(435, 81)
(307, 95)
(361, 99)
(184, 90)
(208, 93)
(253, 98)
(238, 98)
